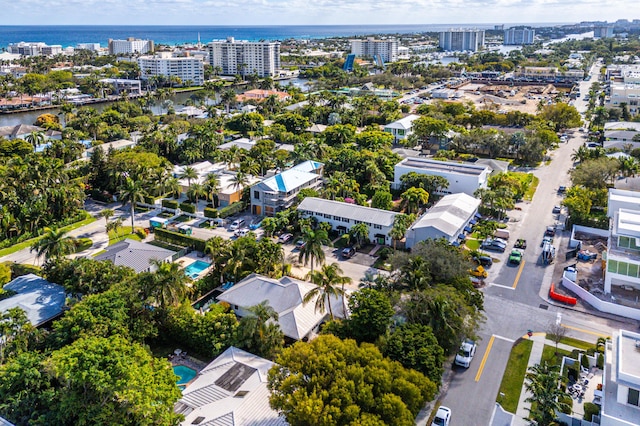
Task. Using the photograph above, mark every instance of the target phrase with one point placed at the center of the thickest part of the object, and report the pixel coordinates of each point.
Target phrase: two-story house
(401, 129)
(279, 192)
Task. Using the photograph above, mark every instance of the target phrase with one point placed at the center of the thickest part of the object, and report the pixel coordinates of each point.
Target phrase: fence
(601, 305)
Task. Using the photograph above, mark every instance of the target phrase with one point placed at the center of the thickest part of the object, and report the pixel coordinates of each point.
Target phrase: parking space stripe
(484, 358)
(515, 283)
(500, 285)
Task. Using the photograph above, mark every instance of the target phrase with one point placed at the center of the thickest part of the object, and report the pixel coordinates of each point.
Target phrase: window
(377, 226)
(633, 397)
(327, 216)
(344, 219)
(256, 195)
(336, 218)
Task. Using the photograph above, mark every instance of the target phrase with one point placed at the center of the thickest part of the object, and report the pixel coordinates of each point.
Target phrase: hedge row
(231, 209)
(189, 208)
(210, 212)
(178, 239)
(170, 204)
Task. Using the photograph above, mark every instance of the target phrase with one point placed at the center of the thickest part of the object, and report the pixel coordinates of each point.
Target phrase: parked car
(242, 232)
(556, 209)
(515, 257)
(465, 353)
(562, 189)
(546, 239)
(521, 243)
(443, 416)
(237, 224)
(348, 252)
(479, 272)
(285, 238)
(490, 244)
(300, 244)
(550, 231)
(484, 261)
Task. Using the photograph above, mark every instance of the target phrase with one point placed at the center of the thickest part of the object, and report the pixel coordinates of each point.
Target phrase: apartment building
(187, 68)
(244, 57)
(34, 49)
(462, 39)
(130, 46)
(280, 192)
(603, 31)
(386, 50)
(625, 87)
(519, 36)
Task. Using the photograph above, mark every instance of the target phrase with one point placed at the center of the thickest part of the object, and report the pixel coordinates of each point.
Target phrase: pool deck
(187, 361)
(192, 257)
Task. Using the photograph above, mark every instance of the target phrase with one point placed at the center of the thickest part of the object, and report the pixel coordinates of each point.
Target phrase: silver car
(465, 353)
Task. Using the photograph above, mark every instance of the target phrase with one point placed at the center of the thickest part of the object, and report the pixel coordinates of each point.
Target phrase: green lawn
(28, 243)
(578, 344)
(83, 244)
(548, 355)
(472, 244)
(513, 377)
(123, 233)
(532, 188)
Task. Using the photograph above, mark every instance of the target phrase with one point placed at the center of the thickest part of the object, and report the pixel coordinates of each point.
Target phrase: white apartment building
(130, 46)
(34, 49)
(88, 46)
(519, 36)
(462, 177)
(187, 68)
(603, 31)
(344, 216)
(244, 57)
(462, 39)
(387, 50)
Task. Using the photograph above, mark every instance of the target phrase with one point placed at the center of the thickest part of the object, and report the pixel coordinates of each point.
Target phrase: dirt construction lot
(505, 98)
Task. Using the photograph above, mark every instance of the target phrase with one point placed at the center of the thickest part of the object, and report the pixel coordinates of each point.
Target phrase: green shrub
(210, 213)
(170, 204)
(189, 208)
(600, 362)
(589, 410)
(178, 239)
(584, 361)
(20, 269)
(231, 209)
(5, 274)
(83, 244)
(149, 199)
(567, 400)
(140, 232)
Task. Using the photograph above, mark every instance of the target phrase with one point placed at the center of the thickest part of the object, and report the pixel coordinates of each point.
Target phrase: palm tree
(54, 244)
(326, 280)
(259, 332)
(240, 180)
(360, 232)
(35, 138)
(542, 382)
(312, 249)
(196, 191)
(228, 98)
(115, 226)
(211, 183)
(107, 213)
(414, 197)
(189, 173)
(170, 284)
(131, 191)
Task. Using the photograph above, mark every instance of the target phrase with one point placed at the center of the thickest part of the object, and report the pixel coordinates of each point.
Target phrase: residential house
(297, 320)
(21, 131)
(136, 255)
(620, 134)
(41, 300)
(450, 218)
(242, 143)
(462, 177)
(105, 147)
(401, 129)
(231, 390)
(260, 95)
(621, 389)
(123, 85)
(344, 216)
(279, 192)
(625, 87)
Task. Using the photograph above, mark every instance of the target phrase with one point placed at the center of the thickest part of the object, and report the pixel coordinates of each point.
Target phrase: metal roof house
(462, 177)
(401, 129)
(135, 255)
(41, 300)
(296, 319)
(232, 391)
(278, 192)
(343, 216)
(447, 219)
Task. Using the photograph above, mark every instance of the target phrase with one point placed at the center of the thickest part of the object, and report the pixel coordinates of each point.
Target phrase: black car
(485, 261)
(348, 252)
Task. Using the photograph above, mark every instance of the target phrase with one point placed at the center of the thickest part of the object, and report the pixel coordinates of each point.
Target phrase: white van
(502, 233)
(237, 224)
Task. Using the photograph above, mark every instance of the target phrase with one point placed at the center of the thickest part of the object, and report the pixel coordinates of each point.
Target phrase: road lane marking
(500, 285)
(515, 283)
(595, 333)
(484, 358)
(506, 339)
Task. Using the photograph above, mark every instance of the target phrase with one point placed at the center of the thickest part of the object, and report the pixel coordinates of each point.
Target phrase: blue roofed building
(41, 300)
(278, 192)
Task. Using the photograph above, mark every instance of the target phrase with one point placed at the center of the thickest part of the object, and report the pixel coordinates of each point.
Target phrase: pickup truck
(520, 244)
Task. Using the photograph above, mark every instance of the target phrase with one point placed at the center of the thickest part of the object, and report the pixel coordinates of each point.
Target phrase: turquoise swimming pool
(185, 374)
(194, 270)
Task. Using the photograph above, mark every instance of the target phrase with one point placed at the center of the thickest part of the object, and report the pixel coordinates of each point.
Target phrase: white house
(231, 390)
(462, 177)
(401, 129)
(297, 320)
(279, 192)
(447, 219)
(343, 216)
(105, 147)
(621, 390)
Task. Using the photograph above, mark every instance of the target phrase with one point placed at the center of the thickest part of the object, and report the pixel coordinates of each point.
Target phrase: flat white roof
(629, 357)
(628, 223)
(442, 166)
(348, 211)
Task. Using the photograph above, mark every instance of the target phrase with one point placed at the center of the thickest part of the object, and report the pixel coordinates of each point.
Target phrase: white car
(237, 224)
(443, 416)
(465, 353)
(242, 232)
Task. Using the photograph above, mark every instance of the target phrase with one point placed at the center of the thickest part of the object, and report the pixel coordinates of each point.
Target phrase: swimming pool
(185, 374)
(194, 270)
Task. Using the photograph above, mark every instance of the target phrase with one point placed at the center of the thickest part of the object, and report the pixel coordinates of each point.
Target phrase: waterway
(178, 99)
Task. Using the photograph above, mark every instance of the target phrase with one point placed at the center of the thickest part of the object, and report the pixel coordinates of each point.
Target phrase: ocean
(70, 35)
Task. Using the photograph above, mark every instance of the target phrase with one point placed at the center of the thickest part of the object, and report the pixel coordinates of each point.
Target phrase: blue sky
(307, 12)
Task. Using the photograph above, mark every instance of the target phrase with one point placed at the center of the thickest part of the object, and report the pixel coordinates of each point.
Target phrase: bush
(231, 209)
(83, 244)
(585, 361)
(149, 199)
(189, 208)
(20, 269)
(170, 204)
(385, 252)
(210, 213)
(5, 273)
(140, 232)
(600, 362)
(589, 410)
(178, 239)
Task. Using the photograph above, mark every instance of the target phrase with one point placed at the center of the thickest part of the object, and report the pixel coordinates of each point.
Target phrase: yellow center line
(595, 333)
(515, 282)
(484, 358)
